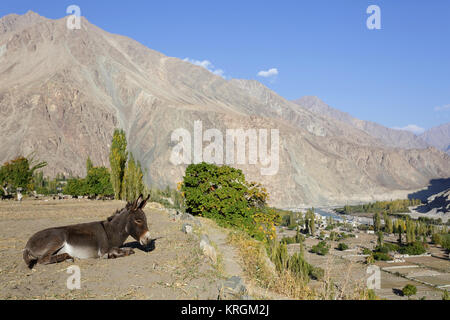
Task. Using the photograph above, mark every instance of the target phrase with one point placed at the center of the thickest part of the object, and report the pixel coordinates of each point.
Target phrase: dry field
(174, 269)
(349, 271)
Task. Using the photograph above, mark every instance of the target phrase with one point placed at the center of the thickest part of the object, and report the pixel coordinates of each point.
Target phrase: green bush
(97, 182)
(296, 263)
(391, 246)
(321, 248)
(409, 290)
(342, 247)
(445, 295)
(223, 194)
(413, 249)
(436, 238)
(380, 256)
(445, 241)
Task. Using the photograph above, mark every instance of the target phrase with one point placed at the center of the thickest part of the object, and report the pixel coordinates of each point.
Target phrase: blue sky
(397, 76)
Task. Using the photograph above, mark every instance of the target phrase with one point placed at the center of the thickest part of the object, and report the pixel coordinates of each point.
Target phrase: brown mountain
(387, 136)
(438, 137)
(62, 92)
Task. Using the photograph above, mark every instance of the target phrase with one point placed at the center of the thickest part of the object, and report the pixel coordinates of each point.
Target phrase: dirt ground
(174, 269)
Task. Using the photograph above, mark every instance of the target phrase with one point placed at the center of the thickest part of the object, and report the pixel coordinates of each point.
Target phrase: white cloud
(207, 65)
(442, 108)
(269, 73)
(412, 128)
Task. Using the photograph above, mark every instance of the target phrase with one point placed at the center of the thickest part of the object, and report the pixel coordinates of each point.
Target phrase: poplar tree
(377, 222)
(89, 165)
(117, 159)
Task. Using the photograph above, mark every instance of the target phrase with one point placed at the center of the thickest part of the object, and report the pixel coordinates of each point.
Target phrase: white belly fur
(79, 252)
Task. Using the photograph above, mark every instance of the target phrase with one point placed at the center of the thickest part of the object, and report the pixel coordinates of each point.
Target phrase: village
(348, 244)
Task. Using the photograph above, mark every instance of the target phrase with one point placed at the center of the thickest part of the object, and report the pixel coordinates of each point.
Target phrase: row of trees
(124, 180)
(412, 229)
(390, 207)
(96, 183)
(126, 173)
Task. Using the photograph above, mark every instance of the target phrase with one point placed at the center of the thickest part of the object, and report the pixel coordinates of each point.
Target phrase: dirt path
(175, 269)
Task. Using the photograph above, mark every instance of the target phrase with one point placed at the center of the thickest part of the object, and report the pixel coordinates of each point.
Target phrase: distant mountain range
(62, 93)
(438, 137)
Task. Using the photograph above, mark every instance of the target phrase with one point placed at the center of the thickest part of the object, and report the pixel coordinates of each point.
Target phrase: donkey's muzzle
(145, 239)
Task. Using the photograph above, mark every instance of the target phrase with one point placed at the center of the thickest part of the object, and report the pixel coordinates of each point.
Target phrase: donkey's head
(137, 221)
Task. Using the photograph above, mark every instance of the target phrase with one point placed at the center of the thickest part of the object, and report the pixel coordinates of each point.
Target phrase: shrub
(321, 248)
(286, 220)
(445, 295)
(436, 238)
(342, 246)
(409, 290)
(97, 182)
(223, 194)
(413, 249)
(445, 241)
(391, 246)
(380, 256)
(382, 249)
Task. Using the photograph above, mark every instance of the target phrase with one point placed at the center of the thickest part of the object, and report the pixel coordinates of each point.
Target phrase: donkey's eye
(139, 221)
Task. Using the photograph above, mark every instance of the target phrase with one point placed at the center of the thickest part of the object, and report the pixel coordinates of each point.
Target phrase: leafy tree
(380, 238)
(389, 228)
(377, 222)
(89, 165)
(413, 249)
(18, 173)
(98, 182)
(133, 185)
(223, 194)
(409, 290)
(75, 187)
(310, 221)
(117, 158)
(410, 231)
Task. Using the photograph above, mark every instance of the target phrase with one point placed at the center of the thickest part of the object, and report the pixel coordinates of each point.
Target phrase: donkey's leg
(57, 258)
(51, 257)
(119, 252)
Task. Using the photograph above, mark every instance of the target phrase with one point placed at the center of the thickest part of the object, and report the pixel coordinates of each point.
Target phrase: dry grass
(257, 267)
(262, 273)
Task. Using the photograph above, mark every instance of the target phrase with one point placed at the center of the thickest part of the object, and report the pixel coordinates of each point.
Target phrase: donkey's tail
(30, 260)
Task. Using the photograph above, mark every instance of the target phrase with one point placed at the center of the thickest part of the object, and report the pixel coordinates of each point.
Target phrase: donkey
(102, 239)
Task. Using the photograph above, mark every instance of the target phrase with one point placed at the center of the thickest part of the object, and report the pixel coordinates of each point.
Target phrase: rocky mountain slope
(62, 93)
(388, 136)
(438, 137)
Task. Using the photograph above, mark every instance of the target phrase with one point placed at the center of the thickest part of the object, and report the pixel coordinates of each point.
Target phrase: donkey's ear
(144, 203)
(136, 203)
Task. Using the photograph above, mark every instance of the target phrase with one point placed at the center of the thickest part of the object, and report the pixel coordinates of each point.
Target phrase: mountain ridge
(62, 93)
